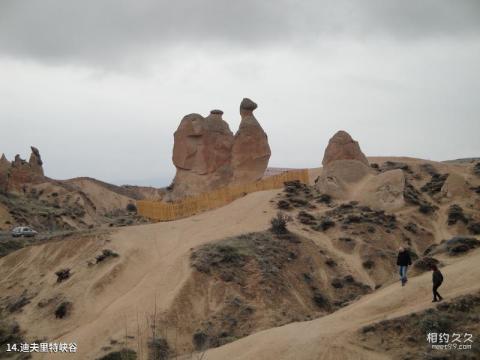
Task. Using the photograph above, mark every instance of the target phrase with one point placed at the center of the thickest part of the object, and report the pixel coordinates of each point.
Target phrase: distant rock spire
(251, 151)
(16, 174)
(35, 161)
(342, 147)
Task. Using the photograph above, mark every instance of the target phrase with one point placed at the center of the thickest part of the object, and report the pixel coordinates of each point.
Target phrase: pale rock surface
(455, 187)
(208, 156)
(342, 147)
(340, 176)
(4, 169)
(36, 163)
(201, 154)
(383, 191)
(251, 151)
(20, 172)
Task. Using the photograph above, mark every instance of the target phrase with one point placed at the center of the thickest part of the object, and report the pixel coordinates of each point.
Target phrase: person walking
(437, 280)
(403, 261)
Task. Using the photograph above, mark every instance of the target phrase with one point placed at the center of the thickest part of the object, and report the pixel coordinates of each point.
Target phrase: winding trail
(330, 337)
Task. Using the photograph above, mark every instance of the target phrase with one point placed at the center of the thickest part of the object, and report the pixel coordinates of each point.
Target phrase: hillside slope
(112, 301)
(332, 336)
(108, 297)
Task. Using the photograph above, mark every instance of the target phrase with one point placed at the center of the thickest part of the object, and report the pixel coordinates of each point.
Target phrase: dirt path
(329, 337)
(107, 298)
(353, 260)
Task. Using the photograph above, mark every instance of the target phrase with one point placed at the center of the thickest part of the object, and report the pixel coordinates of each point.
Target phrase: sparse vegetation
(405, 337)
(320, 300)
(324, 198)
(18, 303)
(476, 169)
(324, 224)
(124, 354)
(200, 340)
(8, 246)
(227, 257)
(455, 214)
(435, 321)
(352, 213)
(10, 333)
(131, 208)
(330, 263)
(106, 254)
(278, 224)
(459, 245)
(297, 195)
(435, 184)
(62, 275)
(429, 169)
(283, 205)
(368, 264)
(63, 310)
(158, 349)
(426, 209)
(306, 218)
(393, 165)
(425, 263)
(411, 227)
(414, 197)
(474, 228)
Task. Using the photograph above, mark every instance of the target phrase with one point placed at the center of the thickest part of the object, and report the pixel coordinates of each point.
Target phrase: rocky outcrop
(35, 162)
(202, 145)
(353, 180)
(342, 147)
(207, 155)
(4, 172)
(384, 191)
(251, 152)
(455, 186)
(347, 175)
(202, 155)
(338, 178)
(15, 175)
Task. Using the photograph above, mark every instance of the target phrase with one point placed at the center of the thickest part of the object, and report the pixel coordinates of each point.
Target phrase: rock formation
(347, 176)
(4, 170)
(35, 162)
(202, 154)
(337, 178)
(207, 155)
(14, 175)
(342, 147)
(251, 152)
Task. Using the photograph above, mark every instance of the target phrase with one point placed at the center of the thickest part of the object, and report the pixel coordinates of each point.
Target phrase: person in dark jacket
(437, 279)
(403, 261)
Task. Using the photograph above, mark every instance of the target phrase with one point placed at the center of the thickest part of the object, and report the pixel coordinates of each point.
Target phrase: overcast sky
(99, 86)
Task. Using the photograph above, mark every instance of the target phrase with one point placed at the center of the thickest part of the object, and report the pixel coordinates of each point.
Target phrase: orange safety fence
(163, 211)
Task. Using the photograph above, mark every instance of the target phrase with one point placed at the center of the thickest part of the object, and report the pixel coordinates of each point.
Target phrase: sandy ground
(104, 199)
(108, 298)
(331, 337)
(115, 298)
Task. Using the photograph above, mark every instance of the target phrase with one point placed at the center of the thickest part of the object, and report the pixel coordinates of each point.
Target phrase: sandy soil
(331, 337)
(152, 267)
(114, 299)
(104, 199)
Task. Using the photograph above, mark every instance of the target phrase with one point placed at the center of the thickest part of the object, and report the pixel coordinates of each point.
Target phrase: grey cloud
(105, 31)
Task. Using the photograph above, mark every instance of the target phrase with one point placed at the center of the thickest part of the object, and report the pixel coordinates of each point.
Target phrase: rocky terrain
(58, 207)
(302, 272)
(404, 337)
(207, 155)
